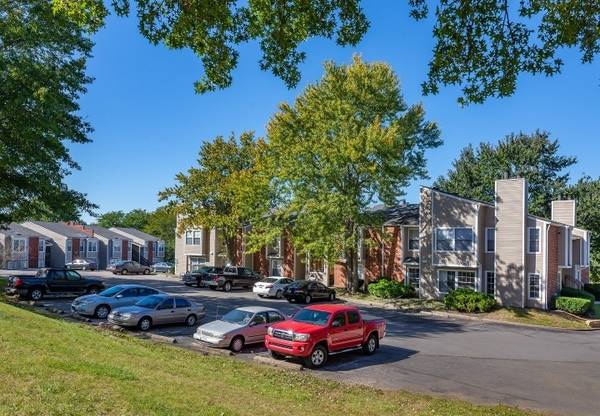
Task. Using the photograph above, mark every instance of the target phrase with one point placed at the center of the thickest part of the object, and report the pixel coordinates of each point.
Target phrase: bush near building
(576, 306)
(577, 293)
(468, 300)
(388, 289)
(594, 289)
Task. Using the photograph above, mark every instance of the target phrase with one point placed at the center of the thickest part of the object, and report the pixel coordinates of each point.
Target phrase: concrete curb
(161, 338)
(278, 363)
(206, 350)
(450, 315)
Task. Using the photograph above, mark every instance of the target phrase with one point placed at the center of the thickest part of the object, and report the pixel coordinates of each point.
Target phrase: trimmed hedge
(468, 300)
(593, 288)
(576, 293)
(577, 306)
(387, 289)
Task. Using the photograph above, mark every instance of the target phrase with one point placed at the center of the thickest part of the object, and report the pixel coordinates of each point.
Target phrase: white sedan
(271, 286)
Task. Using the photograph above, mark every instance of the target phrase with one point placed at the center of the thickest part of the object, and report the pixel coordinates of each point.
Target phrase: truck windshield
(312, 317)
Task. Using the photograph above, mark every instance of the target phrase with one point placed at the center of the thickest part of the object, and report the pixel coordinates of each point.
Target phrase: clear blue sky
(149, 123)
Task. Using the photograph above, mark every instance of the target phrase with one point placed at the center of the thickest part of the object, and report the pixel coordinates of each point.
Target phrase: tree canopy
(534, 157)
(482, 46)
(42, 75)
(346, 142)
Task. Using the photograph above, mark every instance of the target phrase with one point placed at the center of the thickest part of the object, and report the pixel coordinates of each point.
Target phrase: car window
(230, 270)
(145, 291)
(58, 274)
(353, 317)
(312, 286)
(182, 303)
(111, 291)
(260, 318)
(321, 286)
(167, 304)
(131, 292)
(338, 321)
(73, 276)
(275, 317)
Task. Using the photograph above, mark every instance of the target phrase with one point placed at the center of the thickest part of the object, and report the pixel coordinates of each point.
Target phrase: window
(451, 279)
(167, 304)
(490, 283)
(338, 321)
(81, 245)
(131, 293)
(116, 248)
(182, 303)
(275, 317)
(92, 246)
(353, 317)
(147, 291)
(465, 280)
(534, 286)
(260, 318)
(42, 245)
(463, 239)
(413, 277)
(192, 238)
(18, 245)
(275, 266)
(194, 262)
(69, 246)
(534, 240)
(72, 276)
(446, 281)
(490, 240)
(444, 239)
(413, 239)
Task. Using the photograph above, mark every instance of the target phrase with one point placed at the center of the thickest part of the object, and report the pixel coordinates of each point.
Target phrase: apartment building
(145, 248)
(113, 247)
(65, 242)
(21, 248)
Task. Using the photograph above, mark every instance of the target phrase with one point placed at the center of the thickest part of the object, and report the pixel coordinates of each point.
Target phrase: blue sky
(149, 123)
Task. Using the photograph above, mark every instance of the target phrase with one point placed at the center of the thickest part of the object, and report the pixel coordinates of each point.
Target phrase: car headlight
(301, 337)
(270, 331)
(126, 315)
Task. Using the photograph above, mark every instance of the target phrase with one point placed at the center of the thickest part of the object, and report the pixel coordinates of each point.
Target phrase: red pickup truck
(318, 331)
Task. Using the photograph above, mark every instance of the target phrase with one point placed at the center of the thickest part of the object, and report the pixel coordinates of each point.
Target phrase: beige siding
(487, 219)
(564, 212)
(511, 197)
(534, 263)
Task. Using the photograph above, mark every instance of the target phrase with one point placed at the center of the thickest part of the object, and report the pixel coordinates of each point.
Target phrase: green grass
(54, 367)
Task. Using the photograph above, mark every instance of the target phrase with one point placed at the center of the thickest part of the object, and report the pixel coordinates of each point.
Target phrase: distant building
(145, 248)
(21, 248)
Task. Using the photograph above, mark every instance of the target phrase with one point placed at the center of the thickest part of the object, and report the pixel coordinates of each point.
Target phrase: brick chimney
(80, 227)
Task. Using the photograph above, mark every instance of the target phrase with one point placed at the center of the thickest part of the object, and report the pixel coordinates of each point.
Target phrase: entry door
(338, 331)
(165, 312)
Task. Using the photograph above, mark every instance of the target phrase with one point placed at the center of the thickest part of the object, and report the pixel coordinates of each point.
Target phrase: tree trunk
(351, 259)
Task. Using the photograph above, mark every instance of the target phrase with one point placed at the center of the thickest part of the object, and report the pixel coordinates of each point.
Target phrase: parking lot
(483, 362)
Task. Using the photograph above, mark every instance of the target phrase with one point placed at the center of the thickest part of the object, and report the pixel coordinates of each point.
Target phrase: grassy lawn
(534, 317)
(53, 367)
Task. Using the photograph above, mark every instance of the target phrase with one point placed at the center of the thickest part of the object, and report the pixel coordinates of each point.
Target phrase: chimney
(564, 212)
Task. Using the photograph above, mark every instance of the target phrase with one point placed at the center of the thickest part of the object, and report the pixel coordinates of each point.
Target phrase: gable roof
(402, 214)
(61, 228)
(18, 230)
(135, 233)
(104, 232)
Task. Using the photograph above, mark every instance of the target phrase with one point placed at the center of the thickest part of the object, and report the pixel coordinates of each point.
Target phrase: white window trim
(407, 280)
(19, 239)
(529, 240)
(486, 281)
(455, 278)
(487, 249)
(529, 286)
(473, 244)
(408, 231)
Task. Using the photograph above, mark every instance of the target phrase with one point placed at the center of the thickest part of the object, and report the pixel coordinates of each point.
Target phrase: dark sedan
(306, 291)
(128, 267)
(81, 264)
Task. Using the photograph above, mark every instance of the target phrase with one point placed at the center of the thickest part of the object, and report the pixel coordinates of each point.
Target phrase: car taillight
(18, 282)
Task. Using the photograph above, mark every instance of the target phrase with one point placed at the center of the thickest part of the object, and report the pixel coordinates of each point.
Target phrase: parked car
(306, 291)
(56, 282)
(100, 304)
(200, 275)
(318, 331)
(81, 264)
(272, 286)
(128, 267)
(239, 327)
(157, 310)
(231, 277)
(162, 267)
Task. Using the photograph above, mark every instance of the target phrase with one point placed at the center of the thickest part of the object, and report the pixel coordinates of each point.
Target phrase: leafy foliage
(388, 289)
(485, 45)
(468, 300)
(347, 141)
(577, 306)
(577, 293)
(594, 289)
(42, 74)
(213, 29)
(223, 189)
(533, 157)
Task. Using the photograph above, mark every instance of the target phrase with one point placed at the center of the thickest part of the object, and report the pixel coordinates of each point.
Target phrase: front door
(257, 328)
(338, 331)
(354, 329)
(165, 312)
(74, 282)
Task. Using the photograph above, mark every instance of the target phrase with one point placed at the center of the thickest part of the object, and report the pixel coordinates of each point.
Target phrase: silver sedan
(157, 310)
(100, 304)
(239, 327)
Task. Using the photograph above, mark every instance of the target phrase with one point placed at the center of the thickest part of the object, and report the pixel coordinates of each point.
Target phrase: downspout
(545, 268)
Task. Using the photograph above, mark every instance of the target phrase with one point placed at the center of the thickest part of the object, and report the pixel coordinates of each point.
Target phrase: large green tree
(42, 75)
(346, 142)
(136, 218)
(223, 189)
(480, 45)
(534, 157)
(161, 223)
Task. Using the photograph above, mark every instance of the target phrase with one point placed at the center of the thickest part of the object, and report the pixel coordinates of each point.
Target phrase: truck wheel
(102, 311)
(93, 290)
(276, 355)
(146, 271)
(145, 323)
(279, 294)
(237, 344)
(191, 320)
(317, 358)
(227, 286)
(124, 272)
(371, 345)
(307, 299)
(36, 294)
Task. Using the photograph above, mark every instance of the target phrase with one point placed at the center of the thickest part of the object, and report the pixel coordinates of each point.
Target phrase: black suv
(233, 276)
(52, 282)
(307, 290)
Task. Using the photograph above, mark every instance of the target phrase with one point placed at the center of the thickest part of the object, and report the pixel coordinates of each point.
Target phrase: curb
(205, 350)
(161, 338)
(278, 363)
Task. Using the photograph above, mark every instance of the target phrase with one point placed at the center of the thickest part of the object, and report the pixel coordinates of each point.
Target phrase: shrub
(385, 288)
(467, 300)
(577, 306)
(576, 293)
(593, 288)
